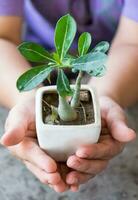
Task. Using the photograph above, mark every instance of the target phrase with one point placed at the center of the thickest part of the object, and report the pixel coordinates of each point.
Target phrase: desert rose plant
(90, 61)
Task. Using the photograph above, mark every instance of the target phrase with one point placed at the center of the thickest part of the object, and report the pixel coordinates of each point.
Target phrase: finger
(52, 179)
(16, 127)
(29, 150)
(45, 178)
(77, 178)
(118, 127)
(63, 170)
(61, 187)
(74, 188)
(105, 149)
(116, 120)
(86, 166)
(121, 132)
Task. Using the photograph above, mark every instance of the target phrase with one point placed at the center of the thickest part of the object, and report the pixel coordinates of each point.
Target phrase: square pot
(61, 141)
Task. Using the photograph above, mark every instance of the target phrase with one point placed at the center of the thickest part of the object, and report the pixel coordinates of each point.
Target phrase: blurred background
(118, 182)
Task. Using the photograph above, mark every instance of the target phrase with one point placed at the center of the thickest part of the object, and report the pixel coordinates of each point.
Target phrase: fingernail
(74, 163)
(81, 154)
(72, 181)
(74, 188)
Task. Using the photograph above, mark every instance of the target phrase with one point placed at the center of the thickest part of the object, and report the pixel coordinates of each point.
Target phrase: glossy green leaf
(84, 43)
(33, 77)
(89, 62)
(64, 34)
(56, 57)
(63, 86)
(102, 47)
(34, 52)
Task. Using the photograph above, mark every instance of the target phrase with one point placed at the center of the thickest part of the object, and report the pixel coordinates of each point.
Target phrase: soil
(85, 110)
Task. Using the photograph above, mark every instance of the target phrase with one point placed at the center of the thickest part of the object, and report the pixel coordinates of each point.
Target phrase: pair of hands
(88, 161)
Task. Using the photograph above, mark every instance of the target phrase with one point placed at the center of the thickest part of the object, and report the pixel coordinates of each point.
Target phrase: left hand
(90, 160)
(20, 138)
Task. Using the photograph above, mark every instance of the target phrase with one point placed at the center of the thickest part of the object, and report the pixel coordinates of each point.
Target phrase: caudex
(90, 61)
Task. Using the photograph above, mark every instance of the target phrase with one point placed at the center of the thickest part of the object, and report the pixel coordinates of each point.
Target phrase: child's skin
(117, 89)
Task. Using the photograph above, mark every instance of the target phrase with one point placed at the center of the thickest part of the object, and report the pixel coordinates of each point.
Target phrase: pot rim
(39, 95)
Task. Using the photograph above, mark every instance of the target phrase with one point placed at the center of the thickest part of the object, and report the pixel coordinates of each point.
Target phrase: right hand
(20, 138)
(90, 160)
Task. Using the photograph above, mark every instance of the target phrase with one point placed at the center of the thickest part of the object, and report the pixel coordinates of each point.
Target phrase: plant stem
(65, 111)
(84, 112)
(76, 97)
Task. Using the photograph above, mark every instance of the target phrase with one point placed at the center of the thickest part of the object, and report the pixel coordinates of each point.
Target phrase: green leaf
(33, 77)
(89, 62)
(99, 71)
(84, 43)
(64, 34)
(34, 52)
(69, 56)
(63, 85)
(56, 57)
(102, 47)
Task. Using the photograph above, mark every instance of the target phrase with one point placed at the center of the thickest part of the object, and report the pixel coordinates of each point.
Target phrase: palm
(92, 159)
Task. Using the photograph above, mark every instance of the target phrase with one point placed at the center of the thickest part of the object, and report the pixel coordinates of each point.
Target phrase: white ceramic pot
(61, 141)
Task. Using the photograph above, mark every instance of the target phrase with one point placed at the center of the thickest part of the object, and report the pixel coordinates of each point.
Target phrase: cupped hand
(20, 138)
(90, 160)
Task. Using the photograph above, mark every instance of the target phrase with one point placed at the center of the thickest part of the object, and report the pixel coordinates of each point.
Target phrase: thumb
(117, 124)
(15, 128)
(122, 133)
(116, 120)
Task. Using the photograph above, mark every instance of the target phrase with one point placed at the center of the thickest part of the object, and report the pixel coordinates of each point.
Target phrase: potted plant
(67, 116)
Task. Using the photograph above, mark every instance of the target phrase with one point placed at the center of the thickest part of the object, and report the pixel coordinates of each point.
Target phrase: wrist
(24, 96)
(21, 98)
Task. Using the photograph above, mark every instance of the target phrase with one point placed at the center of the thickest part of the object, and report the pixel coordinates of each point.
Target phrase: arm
(20, 133)
(121, 79)
(12, 64)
